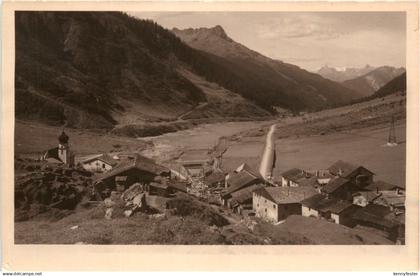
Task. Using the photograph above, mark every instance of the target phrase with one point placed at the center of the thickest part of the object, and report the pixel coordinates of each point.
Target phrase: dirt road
(268, 157)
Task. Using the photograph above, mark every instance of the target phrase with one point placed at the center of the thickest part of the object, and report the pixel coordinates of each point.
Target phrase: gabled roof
(294, 174)
(240, 180)
(139, 162)
(324, 204)
(246, 167)
(344, 169)
(380, 186)
(102, 157)
(391, 198)
(375, 214)
(334, 184)
(285, 195)
(245, 194)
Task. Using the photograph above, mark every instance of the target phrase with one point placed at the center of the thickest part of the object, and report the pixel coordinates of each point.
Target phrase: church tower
(63, 148)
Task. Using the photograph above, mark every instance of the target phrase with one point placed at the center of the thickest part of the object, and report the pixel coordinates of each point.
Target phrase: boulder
(108, 213)
(132, 192)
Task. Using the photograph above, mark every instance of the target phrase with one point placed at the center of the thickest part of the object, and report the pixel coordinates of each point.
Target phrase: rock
(128, 213)
(74, 227)
(132, 192)
(108, 213)
(139, 201)
(115, 196)
(109, 203)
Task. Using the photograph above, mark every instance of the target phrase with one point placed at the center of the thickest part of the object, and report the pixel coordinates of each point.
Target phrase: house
(237, 182)
(241, 200)
(336, 210)
(98, 163)
(363, 198)
(358, 175)
(60, 154)
(339, 187)
(195, 163)
(395, 200)
(137, 170)
(380, 218)
(275, 204)
(293, 177)
(379, 186)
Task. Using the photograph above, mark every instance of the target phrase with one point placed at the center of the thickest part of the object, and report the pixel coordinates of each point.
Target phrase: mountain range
(371, 82)
(107, 69)
(343, 74)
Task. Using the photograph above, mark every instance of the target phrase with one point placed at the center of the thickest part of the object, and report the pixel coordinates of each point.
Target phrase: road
(268, 157)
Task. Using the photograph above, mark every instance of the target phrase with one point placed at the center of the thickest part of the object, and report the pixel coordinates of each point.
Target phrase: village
(344, 194)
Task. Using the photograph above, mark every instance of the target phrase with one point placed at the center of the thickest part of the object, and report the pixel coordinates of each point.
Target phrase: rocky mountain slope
(369, 83)
(398, 84)
(300, 88)
(337, 75)
(100, 69)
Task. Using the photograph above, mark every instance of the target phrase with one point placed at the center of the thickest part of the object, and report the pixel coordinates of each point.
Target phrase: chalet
(60, 154)
(237, 182)
(363, 198)
(339, 187)
(395, 200)
(275, 204)
(379, 186)
(241, 200)
(195, 163)
(98, 163)
(137, 170)
(293, 177)
(358, 175)
(333, 209)
(382, 219)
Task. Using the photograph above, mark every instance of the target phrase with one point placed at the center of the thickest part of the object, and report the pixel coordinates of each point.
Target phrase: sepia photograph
(209, 130)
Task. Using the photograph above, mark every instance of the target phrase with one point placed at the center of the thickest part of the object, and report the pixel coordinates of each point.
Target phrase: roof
(369, 195)
(52, 154)
(240, 180)
(246, 167)
(323, 203)
(215, 177)
(391, 198)
(380, 186)
(246, 193)
(375, 214)
(102, 157)
(344, 169)
(311, 181)
(285, 195)
(294, 174)
(334, 184)
(139, 162)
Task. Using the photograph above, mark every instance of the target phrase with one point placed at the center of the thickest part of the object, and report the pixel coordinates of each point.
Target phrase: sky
(307, 39)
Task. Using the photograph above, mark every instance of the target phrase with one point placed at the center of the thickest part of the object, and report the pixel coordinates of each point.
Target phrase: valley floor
(356, 134)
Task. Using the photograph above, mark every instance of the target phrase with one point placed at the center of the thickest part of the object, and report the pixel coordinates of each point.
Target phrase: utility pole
(392, 138)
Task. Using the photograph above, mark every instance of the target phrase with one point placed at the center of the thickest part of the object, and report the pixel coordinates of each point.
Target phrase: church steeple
(63, 148)
(63, 138)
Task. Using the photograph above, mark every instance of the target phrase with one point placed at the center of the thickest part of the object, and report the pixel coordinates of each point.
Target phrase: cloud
(298, 27)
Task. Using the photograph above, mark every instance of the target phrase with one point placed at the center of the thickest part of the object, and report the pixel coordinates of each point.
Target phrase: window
(265, 210)
(258, 205)
(103, 166)
(274, 206)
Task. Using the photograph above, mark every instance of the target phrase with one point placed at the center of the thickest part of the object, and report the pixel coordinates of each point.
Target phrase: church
(60, 154)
